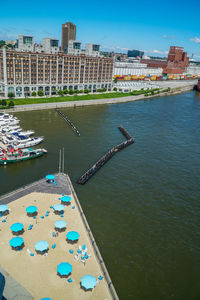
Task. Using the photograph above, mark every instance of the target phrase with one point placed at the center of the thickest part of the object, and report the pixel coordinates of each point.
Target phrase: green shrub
(86, 91)
(11, 104)
(60, 92)
(40, 93)
(11, 95)
(33, 94)
(4, 102)
(65, 91)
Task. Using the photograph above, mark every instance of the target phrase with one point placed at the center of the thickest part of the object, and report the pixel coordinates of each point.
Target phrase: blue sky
(116, 25)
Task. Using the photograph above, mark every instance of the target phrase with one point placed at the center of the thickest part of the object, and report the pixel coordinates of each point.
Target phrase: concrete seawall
(40, 106)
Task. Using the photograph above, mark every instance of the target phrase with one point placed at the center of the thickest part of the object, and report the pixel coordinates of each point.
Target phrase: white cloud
(155, 51)
(195, 40)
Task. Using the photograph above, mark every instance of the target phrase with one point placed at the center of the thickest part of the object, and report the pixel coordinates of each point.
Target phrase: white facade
(92, 50)
(50, 45)
(129, 86)
(25, 43)
(73, 48)
(193, 70)
(123, 68)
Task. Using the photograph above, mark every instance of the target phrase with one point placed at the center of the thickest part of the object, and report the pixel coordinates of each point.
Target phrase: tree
(65, 91)
(115, 80)
(40, 93)
(115, 89)
(104, 90)
(11, 95)
(80, 91)
(71, 92)
(33, 94)
(86, 91)
(4, 102)
(11, 103)
(60, 92)
(1, 102)
(99, 90)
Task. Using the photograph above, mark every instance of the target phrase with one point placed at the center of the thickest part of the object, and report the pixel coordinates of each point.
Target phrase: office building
(135, 53)
(68, 33)
(73, 48)
(25, 72)
(135, 68)
(25, 43)
(92, 50)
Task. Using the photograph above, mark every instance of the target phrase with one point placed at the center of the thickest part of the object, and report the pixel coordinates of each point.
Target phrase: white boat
(10, 129)
(4, 116)
(24, 133)
(29, 143)
(9, 122)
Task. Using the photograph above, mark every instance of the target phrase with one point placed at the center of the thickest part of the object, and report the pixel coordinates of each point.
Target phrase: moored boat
(18, 155)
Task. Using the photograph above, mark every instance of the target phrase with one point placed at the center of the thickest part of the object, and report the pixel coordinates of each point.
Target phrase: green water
(144, 205)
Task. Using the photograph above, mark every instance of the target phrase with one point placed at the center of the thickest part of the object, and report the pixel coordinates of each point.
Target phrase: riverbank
(176, 88)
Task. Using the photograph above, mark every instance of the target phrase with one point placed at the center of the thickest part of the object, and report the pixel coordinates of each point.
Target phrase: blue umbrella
(88, 282)
(58, 207)
(31, 209)
(66, 199)
(72, 235)
(64, 268)
(45, 298)
(50, 177)
(41, 246)
(17, 227)
(16, 242)
(3, 208)
(60, 224)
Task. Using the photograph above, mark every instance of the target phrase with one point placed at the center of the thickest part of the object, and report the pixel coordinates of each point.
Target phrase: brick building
(176, 62)
(25, 72)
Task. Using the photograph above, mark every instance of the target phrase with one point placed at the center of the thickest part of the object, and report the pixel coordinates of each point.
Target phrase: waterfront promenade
(177, 86)
(37, 274)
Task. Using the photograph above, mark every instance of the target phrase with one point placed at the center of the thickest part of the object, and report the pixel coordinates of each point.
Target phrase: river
(143, 206)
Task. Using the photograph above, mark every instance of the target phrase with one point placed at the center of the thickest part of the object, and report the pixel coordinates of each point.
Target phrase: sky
(152, 26)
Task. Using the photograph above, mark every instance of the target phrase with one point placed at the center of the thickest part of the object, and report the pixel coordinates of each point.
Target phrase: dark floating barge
(104, 159)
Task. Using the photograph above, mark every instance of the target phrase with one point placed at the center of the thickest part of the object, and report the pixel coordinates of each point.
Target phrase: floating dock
(68, 122)
(37, 274)
(106, 157)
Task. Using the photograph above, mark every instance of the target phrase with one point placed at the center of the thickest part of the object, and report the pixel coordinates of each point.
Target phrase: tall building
(25, 43)
(135, 53)
(25, 72)
(68, 33)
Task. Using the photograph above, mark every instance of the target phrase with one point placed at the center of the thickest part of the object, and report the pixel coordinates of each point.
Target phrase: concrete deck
(37, 274)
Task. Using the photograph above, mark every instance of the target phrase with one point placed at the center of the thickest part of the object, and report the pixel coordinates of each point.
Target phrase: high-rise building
(68, 33)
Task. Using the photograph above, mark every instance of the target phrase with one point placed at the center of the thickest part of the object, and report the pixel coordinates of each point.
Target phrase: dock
(64, 116)
(106, 157)
(37, 274)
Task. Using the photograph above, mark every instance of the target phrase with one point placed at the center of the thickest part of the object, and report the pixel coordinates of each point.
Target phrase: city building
(176, 62)
(92, 50)
(50, 45)
(25, 43)
(73, 48)
(68, 33)
(135, 53)
(135, 68)
(25, 72)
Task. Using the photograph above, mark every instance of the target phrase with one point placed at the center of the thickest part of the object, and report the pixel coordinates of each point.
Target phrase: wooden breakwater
(106, 157)
(68, 122)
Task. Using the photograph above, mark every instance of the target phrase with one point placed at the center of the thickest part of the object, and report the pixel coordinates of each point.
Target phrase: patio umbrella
(16, 242)
(60, 224)
(42, 246)
(50, 177)
(72, 235)
(17, 227)
(45, 298)
(66, 199)
(3, 208)
(31, 209)
(58, 207)
(88, 282)
(64, 269)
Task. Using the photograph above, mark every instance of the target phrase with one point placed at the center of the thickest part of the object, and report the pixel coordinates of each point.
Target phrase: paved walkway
(174, 84)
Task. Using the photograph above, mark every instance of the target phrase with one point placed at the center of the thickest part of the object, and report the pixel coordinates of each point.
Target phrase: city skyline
(152, 29)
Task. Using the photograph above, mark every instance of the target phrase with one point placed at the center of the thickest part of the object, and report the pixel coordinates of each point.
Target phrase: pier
(37, 274)
(68, 122)
(106, 157)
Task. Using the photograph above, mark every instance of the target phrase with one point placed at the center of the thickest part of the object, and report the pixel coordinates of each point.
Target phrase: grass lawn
(69, 98)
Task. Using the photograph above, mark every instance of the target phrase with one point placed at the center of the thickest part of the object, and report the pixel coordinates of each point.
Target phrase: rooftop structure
(68, 33)
(25, 43)
(135, 53)
(135, 68)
